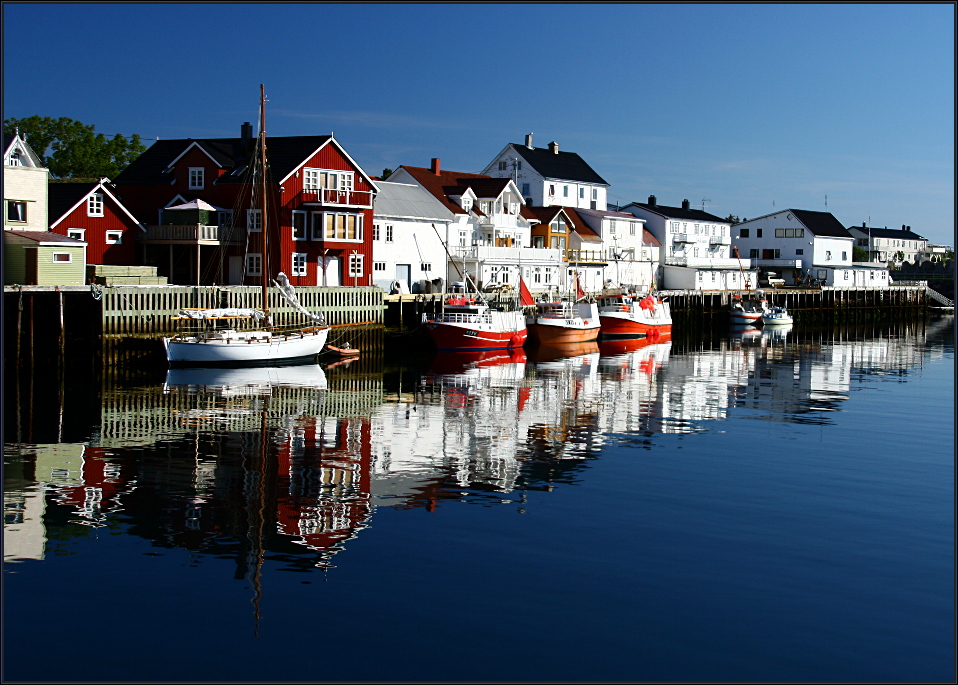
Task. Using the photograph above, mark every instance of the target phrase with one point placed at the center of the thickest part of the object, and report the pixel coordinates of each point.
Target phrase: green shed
(43, 258)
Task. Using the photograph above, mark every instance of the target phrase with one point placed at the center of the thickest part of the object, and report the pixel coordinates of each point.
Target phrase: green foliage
(72, 149)
(387, 172)
(859, 254)
(732, 219)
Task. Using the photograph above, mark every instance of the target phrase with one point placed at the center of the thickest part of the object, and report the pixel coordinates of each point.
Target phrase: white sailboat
(261, 343)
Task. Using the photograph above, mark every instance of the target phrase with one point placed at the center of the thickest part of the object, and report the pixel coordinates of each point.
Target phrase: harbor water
(738, 505)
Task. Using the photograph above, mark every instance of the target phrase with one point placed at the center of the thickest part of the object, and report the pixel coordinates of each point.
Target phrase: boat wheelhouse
(467, 323)
(623, 314)
(563, 322)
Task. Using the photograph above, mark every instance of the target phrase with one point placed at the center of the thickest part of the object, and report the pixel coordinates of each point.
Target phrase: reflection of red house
(324, 489)
(323, 202)
(103, 480)
(91, 212)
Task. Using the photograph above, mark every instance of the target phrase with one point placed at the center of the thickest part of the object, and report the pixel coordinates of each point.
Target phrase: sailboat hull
(245, 348)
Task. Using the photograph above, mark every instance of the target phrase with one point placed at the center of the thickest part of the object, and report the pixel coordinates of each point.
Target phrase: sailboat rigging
(264, 343)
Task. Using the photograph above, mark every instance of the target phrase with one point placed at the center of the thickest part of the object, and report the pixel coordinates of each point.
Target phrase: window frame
(94, 204)
(304, 215)
(299, 264)
(117, 237)
(197, 178)
(68, 255)
(254, 263)
(355, 265)
(23, 215)
(80, 231)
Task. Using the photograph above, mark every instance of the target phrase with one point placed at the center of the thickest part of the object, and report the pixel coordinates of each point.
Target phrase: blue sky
(752, 108)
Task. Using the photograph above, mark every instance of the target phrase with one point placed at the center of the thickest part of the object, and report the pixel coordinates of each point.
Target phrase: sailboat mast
(262, 181)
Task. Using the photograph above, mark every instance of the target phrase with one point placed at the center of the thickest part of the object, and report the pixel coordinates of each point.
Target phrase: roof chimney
(863, 225)
(903, 227)
(435, 166)
(529, 140)
(246, 131)
(651, 200)
(554, 147)
(685, 204)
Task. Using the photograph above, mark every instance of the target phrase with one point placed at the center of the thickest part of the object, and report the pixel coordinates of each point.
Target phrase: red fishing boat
(622, 314)
(468, 323)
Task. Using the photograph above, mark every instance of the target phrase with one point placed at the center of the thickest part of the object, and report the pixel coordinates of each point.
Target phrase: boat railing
(458, 318)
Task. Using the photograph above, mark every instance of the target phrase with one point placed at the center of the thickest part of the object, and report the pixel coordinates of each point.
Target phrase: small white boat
(748, 310)
(777, 316)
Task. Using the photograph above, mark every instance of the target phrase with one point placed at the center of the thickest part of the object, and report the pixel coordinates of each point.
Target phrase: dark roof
(285, 154)
(821, 223)
(894, 233)
(561, 165)
(62, 197)
(45, 237)
(680, 212)
(452, 182)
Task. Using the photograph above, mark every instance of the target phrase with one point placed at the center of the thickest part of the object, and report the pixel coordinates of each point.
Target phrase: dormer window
(467, 203)
(197, 177)
(94, 205)
(15, 157)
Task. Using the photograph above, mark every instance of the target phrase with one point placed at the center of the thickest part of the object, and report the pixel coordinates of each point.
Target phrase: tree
(75, 149)
(387, 172)
(732, 219)
(859, 254)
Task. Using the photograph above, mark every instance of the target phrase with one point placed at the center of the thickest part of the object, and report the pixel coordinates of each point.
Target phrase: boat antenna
(262, 180)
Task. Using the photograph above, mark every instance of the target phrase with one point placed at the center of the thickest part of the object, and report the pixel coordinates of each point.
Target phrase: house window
(467, 203)
(525, 189)
(299, 225)
(828, 255)
(254, 219)
(344, 226)
(355, 265)
(225, 218)
(94, 205)
(565, 191)
(389, 233)
(538, 241)
(503, 166)
(379, 266)
(376, 232)
(800, 251)
(581, 193)
(315, 179)
(254, 264)
(844, 255)
(62, 257)
(425, 266)
(299, 264)
(552, 189)
(753, 253)
(76, 233)
(15, 158)
(758, 233)
(317, 224)
(743, 233)
(632, 228)
(595, 193)
(558, 243)
(197, 174)
(114, 237)
(16, 211)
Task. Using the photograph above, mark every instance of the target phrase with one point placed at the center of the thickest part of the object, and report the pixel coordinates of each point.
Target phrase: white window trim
(360, 227)
(81, 233)
(306, 227)
(94, 205)
(298, 264)
(197, 172)
(68, 260)
(356, 265)
(254, 259)
(250, 225)
(117, 237)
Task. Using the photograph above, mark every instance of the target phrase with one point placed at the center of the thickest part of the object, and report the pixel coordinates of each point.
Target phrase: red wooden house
(92, 213)
(323, 210)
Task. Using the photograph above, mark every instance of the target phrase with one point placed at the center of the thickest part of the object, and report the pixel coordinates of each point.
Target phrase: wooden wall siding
(14, 263)
(150, 310)
(60, 273)
(98, 252)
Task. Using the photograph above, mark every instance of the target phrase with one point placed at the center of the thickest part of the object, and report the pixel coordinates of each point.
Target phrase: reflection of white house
(800, 244)
(890, 244)
(632, 251)
(548, 177)
(696, 247)
(491, 228)
(409, 225)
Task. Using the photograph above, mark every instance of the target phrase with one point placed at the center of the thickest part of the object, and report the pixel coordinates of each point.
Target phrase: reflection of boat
(622, 314)
(548, 353)
(258, 380)
(777, 316)
(741, 331)
(564, 322)
(777, 333)
(344, 351)
(749, 309)
(264, 343)
(613, 348)
(449, 363)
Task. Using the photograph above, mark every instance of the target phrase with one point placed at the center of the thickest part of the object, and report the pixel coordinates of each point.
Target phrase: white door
(329, 271)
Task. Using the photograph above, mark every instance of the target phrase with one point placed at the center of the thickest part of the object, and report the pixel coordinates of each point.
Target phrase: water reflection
(295, 460)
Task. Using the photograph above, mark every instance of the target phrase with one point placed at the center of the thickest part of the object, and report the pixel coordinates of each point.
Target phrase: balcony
(682, 238)
(779, 263)
(587, 256)
(508, 255)
(500, 220)
(193, 234)
(720, 240)
(327, 197)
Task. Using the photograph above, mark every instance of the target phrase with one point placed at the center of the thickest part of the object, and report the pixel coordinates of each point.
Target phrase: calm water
(745, 507)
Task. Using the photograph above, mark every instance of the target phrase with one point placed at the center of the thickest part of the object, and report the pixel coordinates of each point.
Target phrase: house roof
(581, 227)
(679, 212)
(455, 183)
(567, 166)
(608, 213)
(649, 239)
(46, 238)
(894, 233)
(285, 153)
(63, 198)
(9, 140)
(408, 201)
(821, 223)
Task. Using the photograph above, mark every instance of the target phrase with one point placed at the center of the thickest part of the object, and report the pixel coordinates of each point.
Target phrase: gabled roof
(64, 198)
(286, 154)
(581, 227)
(566, 166)
(679, 212)
(8, 142)
(608, 213)
(450, 182)
(893, 233)
(408, 201)
(649, 239)
(821, 223)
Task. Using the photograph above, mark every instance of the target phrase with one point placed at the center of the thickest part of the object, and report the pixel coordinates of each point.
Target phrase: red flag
(525, 297)
(579, 292)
